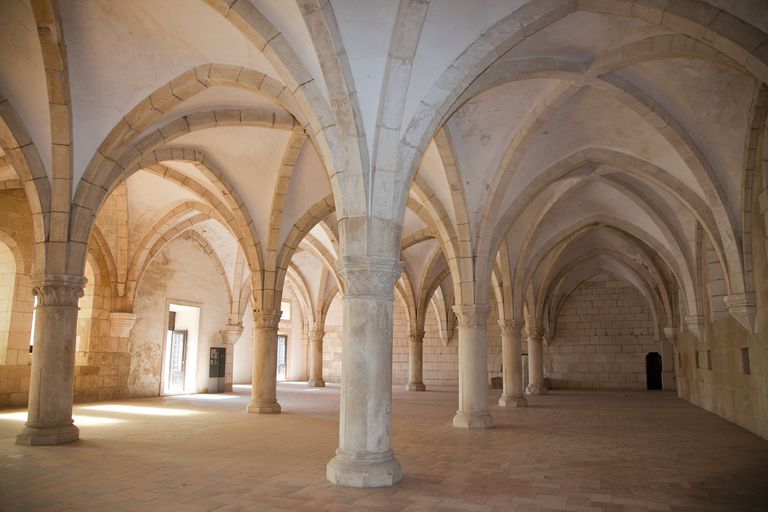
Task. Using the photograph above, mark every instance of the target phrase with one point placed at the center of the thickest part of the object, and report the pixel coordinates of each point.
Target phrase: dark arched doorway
(653, 370)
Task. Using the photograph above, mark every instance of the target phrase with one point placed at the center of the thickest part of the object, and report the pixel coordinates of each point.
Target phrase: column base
(381, 473)
(472, 420)
(264, 407)
(513, 401)
(48, 436)
(316, 383)
(536, 389)
(415, 386)
(227, 388)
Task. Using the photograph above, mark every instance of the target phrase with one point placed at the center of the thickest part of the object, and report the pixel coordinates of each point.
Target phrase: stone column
(512, 356)
(473, 367)
(415, 361)
(536, 362)
(365, 457)
(670, 368)
(264, 376)
(316, 358)
(49, 420)
(229, 336)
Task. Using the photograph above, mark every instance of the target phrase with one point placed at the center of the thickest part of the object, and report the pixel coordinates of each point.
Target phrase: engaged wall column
(365, 457)
(51, 387)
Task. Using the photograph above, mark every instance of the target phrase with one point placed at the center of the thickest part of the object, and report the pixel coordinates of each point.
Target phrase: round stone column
(52, 379)
(473, 367)
(512, 357)
(536, 362)
(316, 358)
(365, 457)
(415, 361)
(264, 376)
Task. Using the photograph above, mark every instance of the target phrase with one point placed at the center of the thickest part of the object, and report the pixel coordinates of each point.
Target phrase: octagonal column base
(415, 386)
(48, 436)
(361, 473)
(264, 407)
(513, 401)
(472, 420)
(536, 389)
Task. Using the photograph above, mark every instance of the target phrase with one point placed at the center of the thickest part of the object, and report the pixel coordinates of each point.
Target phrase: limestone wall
(725, 388)
(603, 333)
(16, 300)
(181, 273)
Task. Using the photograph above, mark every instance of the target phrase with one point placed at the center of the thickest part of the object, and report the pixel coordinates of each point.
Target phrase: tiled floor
(578, 451)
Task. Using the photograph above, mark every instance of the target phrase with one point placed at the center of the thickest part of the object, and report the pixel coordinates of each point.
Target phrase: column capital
(416, 336)
(316, 335)
(58, 289)
(536, 333)
(512, 327)
(472, 315)
(266, 318)
(743, 308)
(369, 277)
(120, 324)
(231, 333)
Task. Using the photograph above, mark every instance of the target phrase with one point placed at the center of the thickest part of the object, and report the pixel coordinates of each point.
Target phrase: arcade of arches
(523, 195)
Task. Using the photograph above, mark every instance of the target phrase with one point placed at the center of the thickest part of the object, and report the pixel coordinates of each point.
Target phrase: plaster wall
(180, 273)
(243, 353)
(603, 333)
(16, 289)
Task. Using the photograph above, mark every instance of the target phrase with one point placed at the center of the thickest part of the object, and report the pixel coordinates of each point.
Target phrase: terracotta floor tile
(569, 451)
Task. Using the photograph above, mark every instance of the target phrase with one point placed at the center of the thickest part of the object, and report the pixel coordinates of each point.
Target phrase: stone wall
(603, 333)
(184, 274)
(17, 302)
(726, 388)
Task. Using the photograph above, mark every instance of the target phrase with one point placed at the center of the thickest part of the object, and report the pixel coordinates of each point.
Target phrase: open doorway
(653, 370)
(180, 354)
(282, 350)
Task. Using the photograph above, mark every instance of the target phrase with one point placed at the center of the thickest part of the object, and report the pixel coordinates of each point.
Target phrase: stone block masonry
(603, 333)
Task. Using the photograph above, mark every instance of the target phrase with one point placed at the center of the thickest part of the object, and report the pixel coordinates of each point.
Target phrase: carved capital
(416, 336)
(369, 277)
(512, 328)
(266, 318)
(58, 289)
(472, 315)
(743, 308)
(120, 324)
(536, 333)
(316, 336)
(695, 324)
(231, 333)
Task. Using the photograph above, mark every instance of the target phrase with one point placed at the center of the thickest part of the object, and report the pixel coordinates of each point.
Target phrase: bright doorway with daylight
(180, 353)
(282, 351)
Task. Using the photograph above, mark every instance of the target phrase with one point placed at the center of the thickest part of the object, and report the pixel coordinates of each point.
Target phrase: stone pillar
(365, 457)
(264, 376)
(229, 336)
(49, 420)
(316, 358)
(415, 361)
(670, 368)
(512, 357)
(473, 367)
(536, 362)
